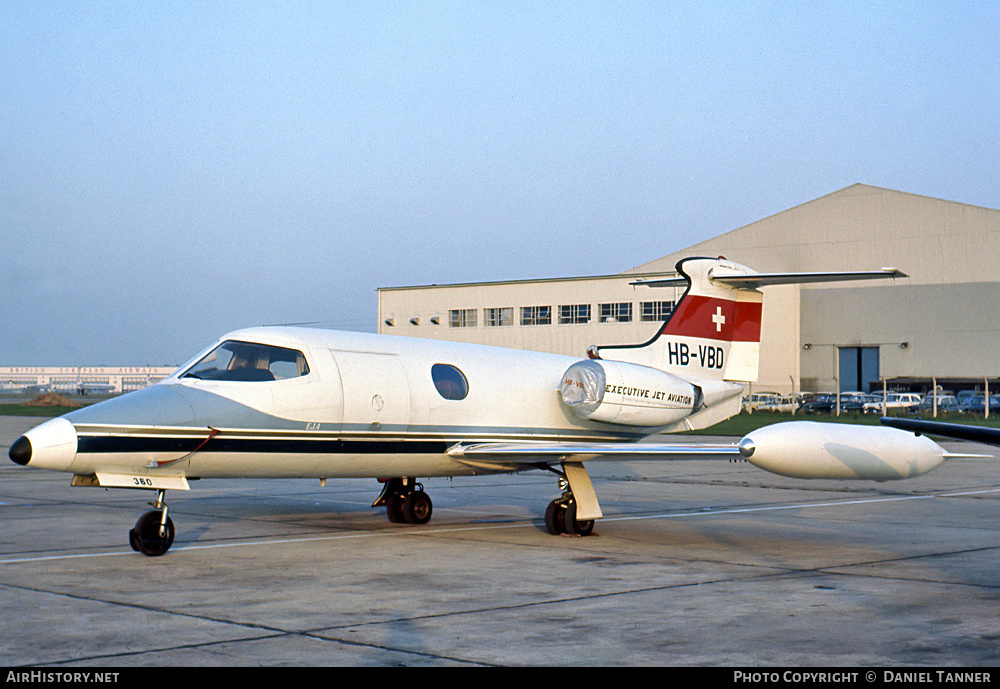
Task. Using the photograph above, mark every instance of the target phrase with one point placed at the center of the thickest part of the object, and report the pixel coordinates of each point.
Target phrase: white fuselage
(369, 406)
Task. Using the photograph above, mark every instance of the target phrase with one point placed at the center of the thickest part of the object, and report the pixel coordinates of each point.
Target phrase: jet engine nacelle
(629, 394)
(807, 449)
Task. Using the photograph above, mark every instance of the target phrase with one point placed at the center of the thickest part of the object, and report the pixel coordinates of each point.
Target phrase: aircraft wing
(959, 431)
(521, 453)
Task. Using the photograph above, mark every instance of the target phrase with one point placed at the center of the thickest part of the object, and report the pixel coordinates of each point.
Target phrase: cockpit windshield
(249, 361)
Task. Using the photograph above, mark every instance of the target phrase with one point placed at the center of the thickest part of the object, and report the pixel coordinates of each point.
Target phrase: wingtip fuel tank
(808, 449)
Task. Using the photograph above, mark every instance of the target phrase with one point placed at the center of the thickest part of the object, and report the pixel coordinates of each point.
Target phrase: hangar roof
(933, 240)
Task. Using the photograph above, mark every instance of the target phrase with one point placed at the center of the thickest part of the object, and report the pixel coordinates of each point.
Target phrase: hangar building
(82, 380)
(932, 328)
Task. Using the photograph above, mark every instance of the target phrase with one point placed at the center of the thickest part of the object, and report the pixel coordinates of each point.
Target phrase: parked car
(977, 405)
(894, 400)
(855, 404)
(820, 404)
(945, 403)
(786, 403)
(758, 398)
(965, 402)
(964, 395)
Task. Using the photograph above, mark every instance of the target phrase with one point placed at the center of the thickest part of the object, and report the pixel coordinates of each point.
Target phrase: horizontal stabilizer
(754, 280)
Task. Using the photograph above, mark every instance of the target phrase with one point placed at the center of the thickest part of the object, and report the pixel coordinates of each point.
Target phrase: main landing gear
(153, 534)
(560, 515)
(574, 512)
(405, 501)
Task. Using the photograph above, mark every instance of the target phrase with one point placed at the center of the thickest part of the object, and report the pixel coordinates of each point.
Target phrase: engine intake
(628, 394)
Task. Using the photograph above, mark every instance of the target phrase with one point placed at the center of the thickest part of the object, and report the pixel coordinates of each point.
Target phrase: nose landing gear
(153, 533)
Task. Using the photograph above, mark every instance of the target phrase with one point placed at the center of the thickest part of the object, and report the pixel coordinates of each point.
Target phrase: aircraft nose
(51, 445)
(20, 451)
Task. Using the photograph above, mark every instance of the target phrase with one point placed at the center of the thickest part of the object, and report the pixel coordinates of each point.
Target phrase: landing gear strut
(153, 534)
(560, 515)
(405, 501)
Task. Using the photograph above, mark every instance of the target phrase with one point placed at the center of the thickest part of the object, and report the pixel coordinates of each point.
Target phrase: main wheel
(145, 536)
(554, 517)
(571, 525)
(394, 508)
(417, 507)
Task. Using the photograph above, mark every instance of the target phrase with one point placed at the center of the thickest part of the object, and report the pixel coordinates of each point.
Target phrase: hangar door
(858, 368)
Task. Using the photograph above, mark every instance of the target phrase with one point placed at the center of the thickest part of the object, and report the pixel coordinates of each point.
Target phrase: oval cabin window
(450, 382)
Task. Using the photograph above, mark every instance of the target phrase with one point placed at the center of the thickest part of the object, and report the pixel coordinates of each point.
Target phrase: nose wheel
(153, 533)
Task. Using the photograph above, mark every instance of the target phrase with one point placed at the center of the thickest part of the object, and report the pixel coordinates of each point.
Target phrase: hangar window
(450, 382)
(462, 318)
(616, 313)
(574, 313)
(498, 316)
(249, 361)
(656, 310)
(536, 315)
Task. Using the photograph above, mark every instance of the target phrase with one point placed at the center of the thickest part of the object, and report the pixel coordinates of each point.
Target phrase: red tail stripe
(711, 318)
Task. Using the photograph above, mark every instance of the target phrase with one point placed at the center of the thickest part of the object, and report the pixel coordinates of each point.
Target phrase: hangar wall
(583, 311)
(935, 330)
(947, 248)
(932, 240)
(80, 379)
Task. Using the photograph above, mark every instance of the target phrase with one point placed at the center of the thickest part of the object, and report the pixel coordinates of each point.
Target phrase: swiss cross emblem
(718, 319)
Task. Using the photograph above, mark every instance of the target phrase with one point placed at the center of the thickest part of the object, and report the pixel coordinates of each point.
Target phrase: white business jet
(282, 402)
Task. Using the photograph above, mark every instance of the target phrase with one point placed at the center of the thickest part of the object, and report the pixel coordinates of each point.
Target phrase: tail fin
(714, 331)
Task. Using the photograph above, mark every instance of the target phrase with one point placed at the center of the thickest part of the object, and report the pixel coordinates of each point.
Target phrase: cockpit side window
(249, 361)
(450, 382)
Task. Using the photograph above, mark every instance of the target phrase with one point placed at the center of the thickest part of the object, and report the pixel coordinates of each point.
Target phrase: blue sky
(172, 171)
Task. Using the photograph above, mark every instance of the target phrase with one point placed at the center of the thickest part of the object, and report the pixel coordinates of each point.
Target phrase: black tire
(554, 517)
(417, 507)
(570, 523)
(145, 537)
(133, 540)
(394, 508)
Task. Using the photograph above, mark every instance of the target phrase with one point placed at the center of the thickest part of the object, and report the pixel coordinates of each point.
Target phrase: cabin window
(450, 382)
(249, 361)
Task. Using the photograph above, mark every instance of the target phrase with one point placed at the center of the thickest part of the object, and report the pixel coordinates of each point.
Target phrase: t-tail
(714, 330)
(711, 341)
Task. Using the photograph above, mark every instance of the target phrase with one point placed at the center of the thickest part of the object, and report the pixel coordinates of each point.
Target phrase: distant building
(80, 380)
(935, 327)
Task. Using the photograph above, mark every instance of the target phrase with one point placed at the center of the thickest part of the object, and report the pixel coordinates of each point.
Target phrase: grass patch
(27, 410)
(743, 423)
